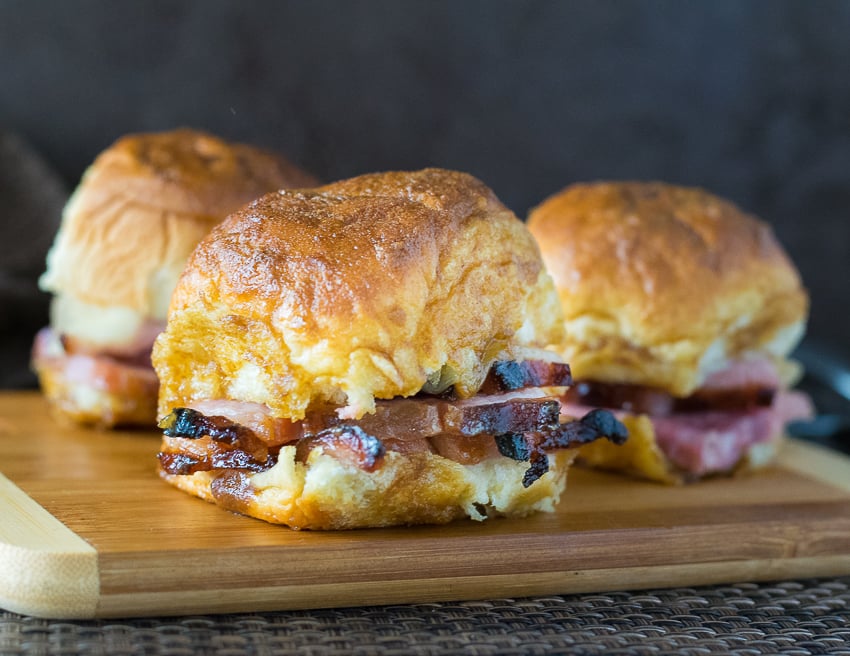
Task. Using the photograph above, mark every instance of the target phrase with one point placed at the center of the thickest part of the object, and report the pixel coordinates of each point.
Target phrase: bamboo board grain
(88, 530)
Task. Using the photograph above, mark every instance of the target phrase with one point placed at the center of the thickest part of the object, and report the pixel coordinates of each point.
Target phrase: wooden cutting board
(88, 530)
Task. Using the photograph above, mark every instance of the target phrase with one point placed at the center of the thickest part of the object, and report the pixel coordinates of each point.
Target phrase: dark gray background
(750, 99)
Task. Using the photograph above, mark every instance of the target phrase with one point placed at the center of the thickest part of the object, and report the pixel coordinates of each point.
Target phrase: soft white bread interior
(421, 488)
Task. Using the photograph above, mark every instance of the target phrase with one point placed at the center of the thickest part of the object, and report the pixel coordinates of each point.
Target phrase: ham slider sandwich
(126, 233)
(680, 314)
(369, 353)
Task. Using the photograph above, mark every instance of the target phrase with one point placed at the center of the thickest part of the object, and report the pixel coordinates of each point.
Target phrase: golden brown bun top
(368, 287)
(662, 284)
(144, 204)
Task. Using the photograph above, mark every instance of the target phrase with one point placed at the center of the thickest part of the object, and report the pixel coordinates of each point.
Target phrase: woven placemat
(797, 618)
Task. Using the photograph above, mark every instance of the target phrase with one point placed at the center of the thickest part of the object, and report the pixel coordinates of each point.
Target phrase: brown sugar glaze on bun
(368, 353)
(126, 233)
(680, 312)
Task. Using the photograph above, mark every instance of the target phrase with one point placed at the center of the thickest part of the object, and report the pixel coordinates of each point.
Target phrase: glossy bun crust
(144, 204)
(372, 287)
(662, 284)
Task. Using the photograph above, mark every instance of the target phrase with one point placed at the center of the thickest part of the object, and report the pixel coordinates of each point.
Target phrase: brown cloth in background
(31, 199)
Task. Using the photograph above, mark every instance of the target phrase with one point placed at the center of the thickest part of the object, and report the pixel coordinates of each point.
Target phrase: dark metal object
(827, 381)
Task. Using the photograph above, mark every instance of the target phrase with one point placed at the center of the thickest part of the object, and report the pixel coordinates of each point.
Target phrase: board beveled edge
(46, 570)
(463, 588)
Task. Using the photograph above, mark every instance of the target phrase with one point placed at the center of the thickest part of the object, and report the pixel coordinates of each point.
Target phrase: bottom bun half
(417, 488)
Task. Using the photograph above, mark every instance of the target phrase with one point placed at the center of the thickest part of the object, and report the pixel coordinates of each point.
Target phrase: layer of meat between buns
(108, 369)
(711, 430)
(514, 415)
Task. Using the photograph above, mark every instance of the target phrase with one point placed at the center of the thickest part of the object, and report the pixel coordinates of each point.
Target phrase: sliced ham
(467, 432)
(508, 375)
(710, 442)
(642, 399)
(706, 442)
(135, 352)
(349, 444)
(792, 405)
(745, 373)
(460, 448)
(515, 400)
(711, 430)
(632, 398)
(490, 414)
(192, 424)
(729, 399)
(273, 431)
(533, 446)
(401, 419)
(100, 372)
(182, 455)
(396, 420)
